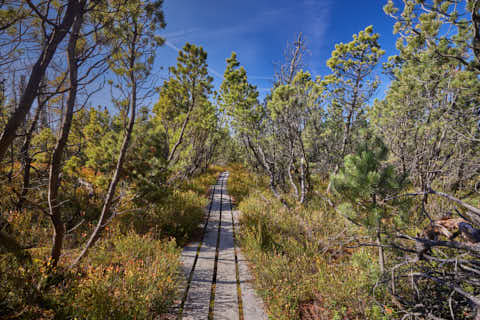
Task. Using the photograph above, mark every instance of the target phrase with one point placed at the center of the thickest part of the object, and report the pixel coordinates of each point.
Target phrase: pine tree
(183, 100)
(239, 98)
(364, 182)
(132, 29)
(291, 107)
(351, 84)
(449, 28)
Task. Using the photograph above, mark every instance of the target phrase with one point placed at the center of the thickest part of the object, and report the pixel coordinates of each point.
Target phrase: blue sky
(258, 31)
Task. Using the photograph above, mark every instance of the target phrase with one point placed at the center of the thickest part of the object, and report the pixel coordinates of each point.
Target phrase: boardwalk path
(218, 278)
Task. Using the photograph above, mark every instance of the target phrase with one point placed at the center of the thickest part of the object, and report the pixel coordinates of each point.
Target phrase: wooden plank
(226, 299)
(198, 297)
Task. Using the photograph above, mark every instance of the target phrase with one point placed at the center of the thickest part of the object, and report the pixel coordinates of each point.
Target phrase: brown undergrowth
(302, 266)
(131, 273)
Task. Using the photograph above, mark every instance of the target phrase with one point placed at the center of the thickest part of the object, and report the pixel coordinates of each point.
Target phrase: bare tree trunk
(250, 146)
(378, 240)
(184, 126)
(290, 177)
(262, 160)
(25, 151)
(271, 172)
(27, 161)
(305, 182)
(113, 183)
(346, 136)
(302, 181)
(348, 126)
(74, 9)
(381, 255)
(56, 162)
(104, 215)
(473, 213)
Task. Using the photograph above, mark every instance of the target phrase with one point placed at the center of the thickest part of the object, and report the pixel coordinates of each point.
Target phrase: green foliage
(18, 286)
(46, 140)
(187, 88)
(244, 114)
(426, 118)
(131, 28)
(146, 167)
(424, 133)
(178, 215)
(239, 98)
(102, 141)
(359, 56)
(184, 114)
(127, 277)
(365, 181)
(295, 102)
(349, 87)
(299, 272)
(363, 175)
(131, 273)
(445, 27)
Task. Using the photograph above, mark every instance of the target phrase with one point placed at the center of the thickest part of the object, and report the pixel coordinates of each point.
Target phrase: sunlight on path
(218, 278)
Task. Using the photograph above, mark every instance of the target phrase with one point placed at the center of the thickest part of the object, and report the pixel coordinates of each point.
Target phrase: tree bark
(381, 255)
(470, 208)
(290, 177)
(306, 184)
(104, 215)
(74, 9)
(346, 136)
(25, 152)
(56, 162)
(303, 186)
(184, 126)
(348, 126)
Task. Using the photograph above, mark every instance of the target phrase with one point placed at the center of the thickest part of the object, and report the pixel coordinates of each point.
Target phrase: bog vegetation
(353, 206)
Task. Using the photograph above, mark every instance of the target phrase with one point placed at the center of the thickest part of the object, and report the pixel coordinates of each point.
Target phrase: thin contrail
(212, 71)
(171, 45)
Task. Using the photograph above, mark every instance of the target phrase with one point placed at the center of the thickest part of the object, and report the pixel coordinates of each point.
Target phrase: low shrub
(132, 272)
(177, 216)
(300, 260)
(129, 277)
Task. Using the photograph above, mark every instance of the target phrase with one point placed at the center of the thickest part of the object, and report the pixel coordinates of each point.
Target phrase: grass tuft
(299, 258)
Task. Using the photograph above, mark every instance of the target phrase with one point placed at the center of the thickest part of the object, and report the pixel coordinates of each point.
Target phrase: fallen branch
(452, 286)
(458, 201)
(440, 243)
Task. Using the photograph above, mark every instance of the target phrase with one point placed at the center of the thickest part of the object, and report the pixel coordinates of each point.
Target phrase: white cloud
(317, 19)
(312, 17)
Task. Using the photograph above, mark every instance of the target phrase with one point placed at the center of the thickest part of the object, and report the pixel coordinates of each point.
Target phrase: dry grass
(131, 273)
(302, 268)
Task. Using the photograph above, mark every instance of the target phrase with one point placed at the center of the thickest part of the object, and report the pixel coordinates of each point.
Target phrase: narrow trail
(218, 279)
